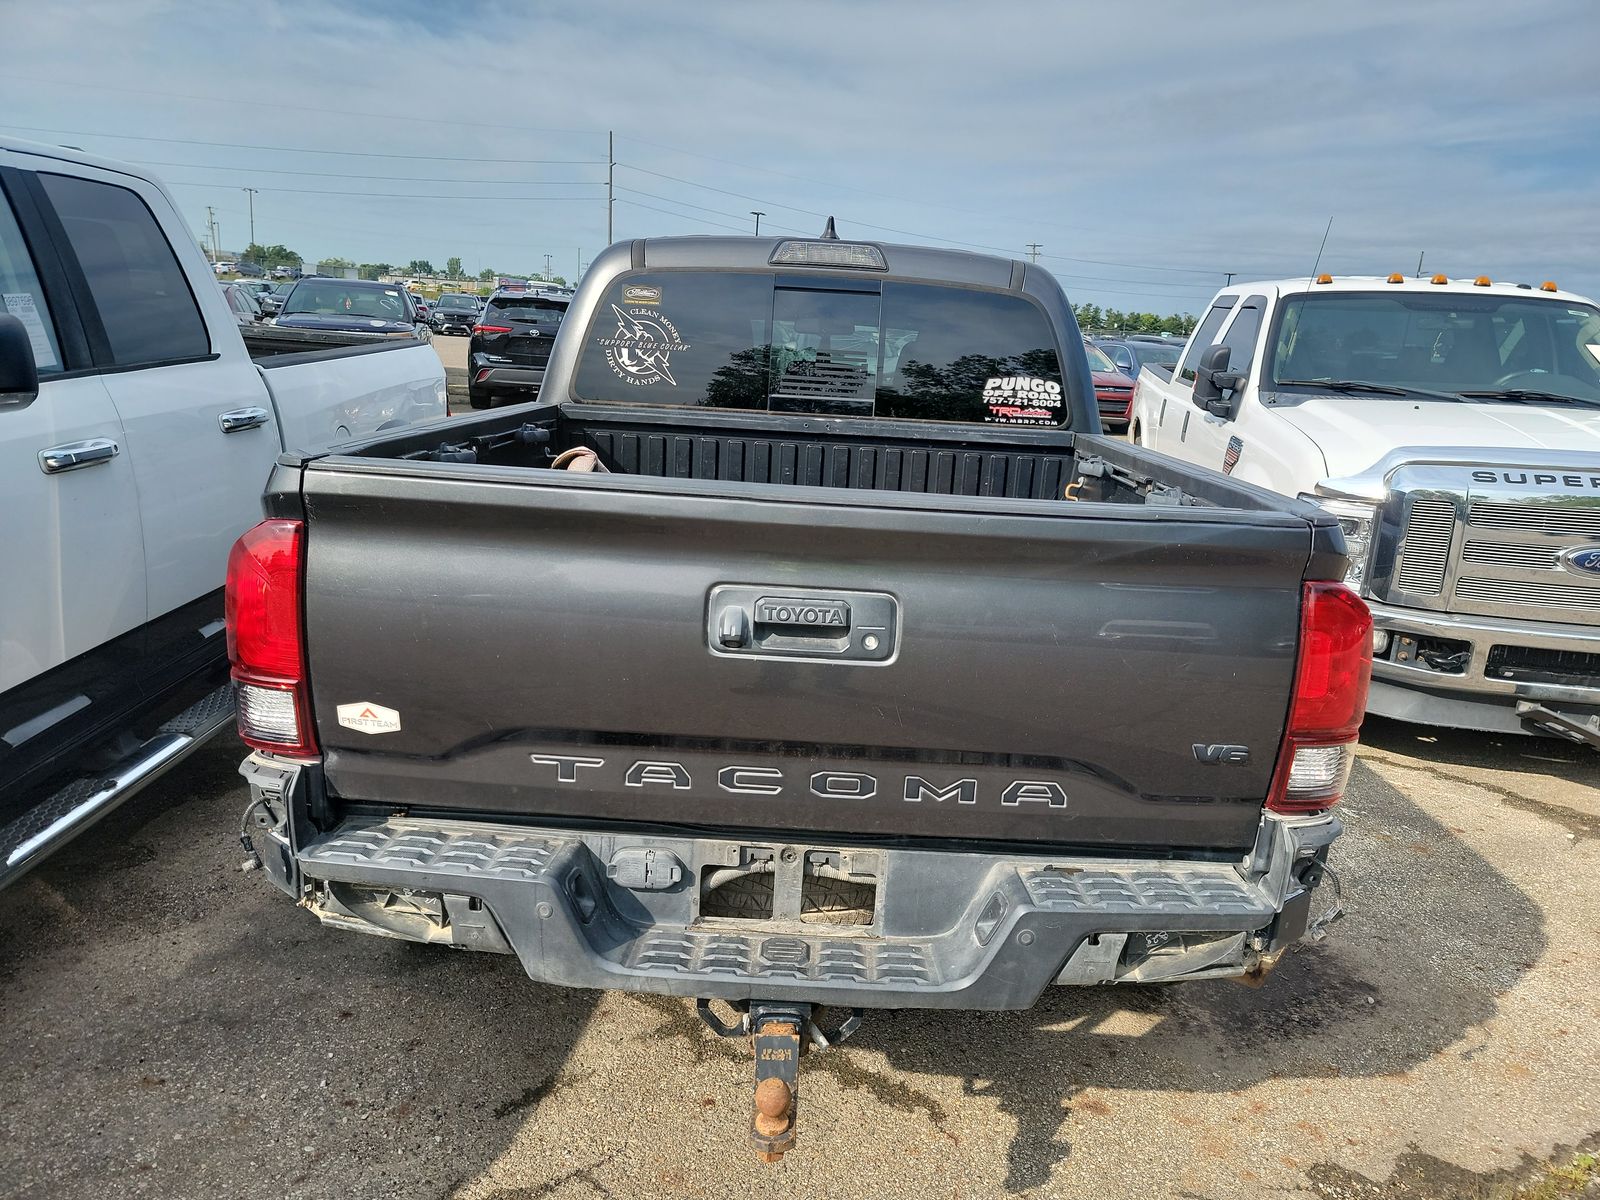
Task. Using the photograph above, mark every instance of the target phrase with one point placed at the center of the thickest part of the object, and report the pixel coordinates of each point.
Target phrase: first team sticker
(1022, 400)
(369, 717)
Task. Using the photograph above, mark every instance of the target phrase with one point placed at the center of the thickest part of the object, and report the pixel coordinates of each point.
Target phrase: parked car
(510, 345)
(250, 270)
(777, 708)
(138, 422)
(272, 300)
(1130, 354)
(286, 272)
(356, 305)
(454, 312)
(419, 304)
(243, 303)
(1453, 426)
(1113, 391)
(223, 268)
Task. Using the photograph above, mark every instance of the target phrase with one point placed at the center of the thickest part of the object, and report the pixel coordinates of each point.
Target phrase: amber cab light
(266, 644)
(1333, 670)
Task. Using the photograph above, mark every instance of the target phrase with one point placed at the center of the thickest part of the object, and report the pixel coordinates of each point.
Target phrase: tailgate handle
(798, 616)
(802, 623)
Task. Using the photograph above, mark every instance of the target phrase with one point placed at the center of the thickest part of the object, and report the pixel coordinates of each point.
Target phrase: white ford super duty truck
(1454, 428)
(137, 427)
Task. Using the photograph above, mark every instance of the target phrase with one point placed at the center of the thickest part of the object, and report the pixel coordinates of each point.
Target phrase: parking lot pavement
(452, 350)
(174, 1027)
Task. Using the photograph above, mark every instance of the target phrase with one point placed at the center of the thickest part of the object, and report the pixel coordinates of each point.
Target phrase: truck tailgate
(551, 647)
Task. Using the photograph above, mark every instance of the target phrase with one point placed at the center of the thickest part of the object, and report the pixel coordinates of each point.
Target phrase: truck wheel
(478, 399)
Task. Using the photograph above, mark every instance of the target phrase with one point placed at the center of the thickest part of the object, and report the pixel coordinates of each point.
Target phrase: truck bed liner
(928, 458)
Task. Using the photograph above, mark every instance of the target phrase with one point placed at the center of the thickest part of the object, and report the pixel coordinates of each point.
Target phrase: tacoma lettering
(744, 779)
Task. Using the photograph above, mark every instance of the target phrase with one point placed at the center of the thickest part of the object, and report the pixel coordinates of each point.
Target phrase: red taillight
(265, 643)
(1332, 672)
(491, 329)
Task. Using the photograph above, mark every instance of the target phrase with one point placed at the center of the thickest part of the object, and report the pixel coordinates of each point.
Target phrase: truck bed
(1043, 666)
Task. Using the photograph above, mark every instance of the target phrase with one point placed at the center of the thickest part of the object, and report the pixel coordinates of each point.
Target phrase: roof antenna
(830, 234)
(1320, 249)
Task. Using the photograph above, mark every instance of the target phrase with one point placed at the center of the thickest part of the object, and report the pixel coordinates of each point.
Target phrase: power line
(1033, 250)
(255, 105)
(151, 162)
(136, 137)
(1006, 250)
(401, 195)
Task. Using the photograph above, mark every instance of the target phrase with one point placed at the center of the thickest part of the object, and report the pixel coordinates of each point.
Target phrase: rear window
(454, 301)
(823, 344)
(526, 308)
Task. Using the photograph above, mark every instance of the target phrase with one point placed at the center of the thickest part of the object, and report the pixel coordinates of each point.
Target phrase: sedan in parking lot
(1131, 354)
(511, 345)
(1113, 390)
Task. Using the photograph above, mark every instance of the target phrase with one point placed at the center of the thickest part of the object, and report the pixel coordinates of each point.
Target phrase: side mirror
(1212, 379)
(19, 373)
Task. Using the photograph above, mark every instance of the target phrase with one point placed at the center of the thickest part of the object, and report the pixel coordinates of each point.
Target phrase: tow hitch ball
(778, 1033)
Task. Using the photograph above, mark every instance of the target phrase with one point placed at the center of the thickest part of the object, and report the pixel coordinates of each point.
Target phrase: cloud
(1150, 148)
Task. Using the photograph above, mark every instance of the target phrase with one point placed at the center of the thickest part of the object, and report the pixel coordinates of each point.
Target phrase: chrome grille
(1536, 518)
(1512, 554)
(1425, 549)
(1521, 591)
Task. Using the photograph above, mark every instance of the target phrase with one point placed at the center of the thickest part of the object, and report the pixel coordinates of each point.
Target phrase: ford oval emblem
(1584, 559)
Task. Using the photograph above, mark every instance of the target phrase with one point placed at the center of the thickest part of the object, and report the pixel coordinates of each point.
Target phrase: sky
(1146, 149)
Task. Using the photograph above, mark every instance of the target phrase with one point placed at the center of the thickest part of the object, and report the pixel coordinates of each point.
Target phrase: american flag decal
(1230, 456)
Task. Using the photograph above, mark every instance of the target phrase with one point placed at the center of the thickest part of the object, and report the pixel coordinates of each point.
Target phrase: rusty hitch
(779, 1033)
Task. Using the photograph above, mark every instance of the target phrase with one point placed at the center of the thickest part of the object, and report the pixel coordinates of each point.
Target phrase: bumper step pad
(569, 924)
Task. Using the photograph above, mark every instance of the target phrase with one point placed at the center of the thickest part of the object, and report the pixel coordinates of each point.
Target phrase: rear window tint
(542, 312)
(843, 347)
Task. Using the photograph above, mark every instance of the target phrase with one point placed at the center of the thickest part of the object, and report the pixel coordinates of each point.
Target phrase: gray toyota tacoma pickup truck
(806, 647)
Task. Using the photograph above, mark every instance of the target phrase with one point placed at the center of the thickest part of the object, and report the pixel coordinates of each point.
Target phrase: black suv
(511, 345)
(454, 312)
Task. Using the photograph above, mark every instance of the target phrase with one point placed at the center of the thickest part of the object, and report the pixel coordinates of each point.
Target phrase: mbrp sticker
(1022, 400)
(639, 293)
(640, 352)
(369, 717)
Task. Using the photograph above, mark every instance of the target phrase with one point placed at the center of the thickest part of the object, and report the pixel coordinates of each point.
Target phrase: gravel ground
(173, 1027)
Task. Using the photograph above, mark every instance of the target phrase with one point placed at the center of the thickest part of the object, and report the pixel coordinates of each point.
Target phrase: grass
(1580, 1177)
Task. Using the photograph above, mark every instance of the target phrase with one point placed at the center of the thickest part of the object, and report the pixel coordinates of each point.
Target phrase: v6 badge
(369, 717)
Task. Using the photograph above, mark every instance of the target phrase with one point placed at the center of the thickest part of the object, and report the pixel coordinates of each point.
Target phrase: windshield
(335, 298)
(540, 312)
(455, 301)
(1158, 352)
(1097, 359)
(1441, 343)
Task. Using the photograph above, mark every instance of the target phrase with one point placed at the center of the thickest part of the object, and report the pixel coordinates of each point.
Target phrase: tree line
(1093, 318)
(268, 257)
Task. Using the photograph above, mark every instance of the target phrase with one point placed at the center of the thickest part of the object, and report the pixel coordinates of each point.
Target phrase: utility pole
(1033, 250)
(252, 194)
(547, 268)
(611, 183)
(211, 229)
(757, 216)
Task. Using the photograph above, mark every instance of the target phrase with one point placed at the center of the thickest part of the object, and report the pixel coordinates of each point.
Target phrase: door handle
(243, 418)
(73, 456)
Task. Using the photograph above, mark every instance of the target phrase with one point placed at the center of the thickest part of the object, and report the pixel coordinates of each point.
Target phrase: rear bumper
(947, 930)
(525, 378)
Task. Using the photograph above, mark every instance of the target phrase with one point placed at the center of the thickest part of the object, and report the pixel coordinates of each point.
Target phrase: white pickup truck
(137, 427)
(1454, 428)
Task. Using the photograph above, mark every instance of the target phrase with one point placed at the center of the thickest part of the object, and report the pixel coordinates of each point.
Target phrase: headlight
(1356, 520)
